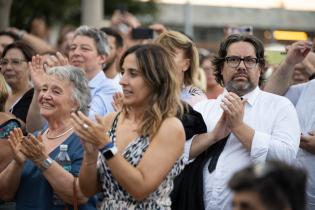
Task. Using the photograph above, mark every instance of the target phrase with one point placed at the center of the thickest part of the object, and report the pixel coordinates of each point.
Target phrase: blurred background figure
(213, 88)
(14, 62)
(269, 186)
(40, 28)
(6, 38)
(186, 57)
(116, 44)
(300, 74)
(66, 35)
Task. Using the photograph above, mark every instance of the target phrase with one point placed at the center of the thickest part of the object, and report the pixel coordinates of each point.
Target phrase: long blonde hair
(172, 40)
(159, 73)
(4, 93)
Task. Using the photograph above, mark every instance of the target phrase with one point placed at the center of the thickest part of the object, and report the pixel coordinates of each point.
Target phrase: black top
(20, 109)
(187, 193)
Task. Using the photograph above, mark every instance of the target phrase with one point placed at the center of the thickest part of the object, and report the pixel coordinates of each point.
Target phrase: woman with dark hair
(141, 147)
(14, 67)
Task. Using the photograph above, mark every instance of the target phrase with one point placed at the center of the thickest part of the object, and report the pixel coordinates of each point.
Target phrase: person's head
(116, 43)
(208, 67)
(65, 37)
(89, 50)
(300, 74)
(269, 186)
(240, 63)
(185, 54)
(39, 27)
(149, 83)
(65, 90)
(6, 38)
(14, 64)
(4, 93)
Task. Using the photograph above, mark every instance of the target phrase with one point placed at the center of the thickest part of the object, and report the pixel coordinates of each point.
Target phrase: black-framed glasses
(13, 61)
(234, 61)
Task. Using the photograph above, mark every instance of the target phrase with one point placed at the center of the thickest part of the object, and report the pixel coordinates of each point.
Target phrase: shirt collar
(97, 80)
(250, 97)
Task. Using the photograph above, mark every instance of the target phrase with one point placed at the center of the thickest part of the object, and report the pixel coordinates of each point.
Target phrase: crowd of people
(154, 123)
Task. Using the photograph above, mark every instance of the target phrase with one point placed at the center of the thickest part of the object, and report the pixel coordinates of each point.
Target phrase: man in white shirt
(303, 98)
(262, 125)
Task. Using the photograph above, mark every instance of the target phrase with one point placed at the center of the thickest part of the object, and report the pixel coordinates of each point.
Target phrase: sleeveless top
(113, 196)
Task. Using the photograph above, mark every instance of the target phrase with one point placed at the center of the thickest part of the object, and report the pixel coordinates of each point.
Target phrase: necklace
(58, 136)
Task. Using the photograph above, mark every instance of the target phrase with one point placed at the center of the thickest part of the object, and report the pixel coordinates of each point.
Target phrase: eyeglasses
(234, 61)
(13, 61)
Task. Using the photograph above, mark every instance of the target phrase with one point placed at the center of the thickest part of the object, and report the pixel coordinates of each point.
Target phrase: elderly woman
(186, 57)
(142, 152)
(33, 177)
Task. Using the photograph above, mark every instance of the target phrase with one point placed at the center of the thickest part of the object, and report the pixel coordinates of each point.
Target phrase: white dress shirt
(303, 97)
(277, 134)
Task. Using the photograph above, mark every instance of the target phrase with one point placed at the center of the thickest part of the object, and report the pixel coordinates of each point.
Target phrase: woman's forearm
(10, 180)
(200, 143)
(62, 183)
(88, 179)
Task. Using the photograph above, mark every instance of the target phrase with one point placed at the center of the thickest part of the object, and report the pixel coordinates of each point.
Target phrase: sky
(307, 5)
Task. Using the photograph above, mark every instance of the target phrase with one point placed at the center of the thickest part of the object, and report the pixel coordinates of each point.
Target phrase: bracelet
(45, 164)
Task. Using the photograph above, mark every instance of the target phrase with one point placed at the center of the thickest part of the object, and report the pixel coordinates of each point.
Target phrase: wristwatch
(46, 164)
(109, 150)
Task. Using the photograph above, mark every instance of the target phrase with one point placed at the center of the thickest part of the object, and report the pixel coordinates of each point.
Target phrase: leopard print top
(115, 197)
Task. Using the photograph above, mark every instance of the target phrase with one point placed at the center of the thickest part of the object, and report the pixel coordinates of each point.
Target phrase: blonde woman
(186, 57)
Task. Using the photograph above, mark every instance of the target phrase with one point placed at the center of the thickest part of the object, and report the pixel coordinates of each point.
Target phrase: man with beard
(115, 42)
(245, 125)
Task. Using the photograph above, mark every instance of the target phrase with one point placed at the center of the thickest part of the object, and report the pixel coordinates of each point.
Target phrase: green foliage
(133, 6)
(64, 11)
(69, 11)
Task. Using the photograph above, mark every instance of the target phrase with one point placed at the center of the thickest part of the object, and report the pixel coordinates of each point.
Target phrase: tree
(133, 6)
(69, 11)
(5, 6)
(56, 11)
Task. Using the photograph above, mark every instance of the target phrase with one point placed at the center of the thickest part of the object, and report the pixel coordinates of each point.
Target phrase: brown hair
(159, 73)
(172, 40)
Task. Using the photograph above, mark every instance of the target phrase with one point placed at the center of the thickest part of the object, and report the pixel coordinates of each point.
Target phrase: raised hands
(91, 132)
(297, 52)
(233, 107)
(56, 60)
(34, 149)
(15, 139)
(37, 71)
(118, 101)
(221, 129)
(308, 142)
